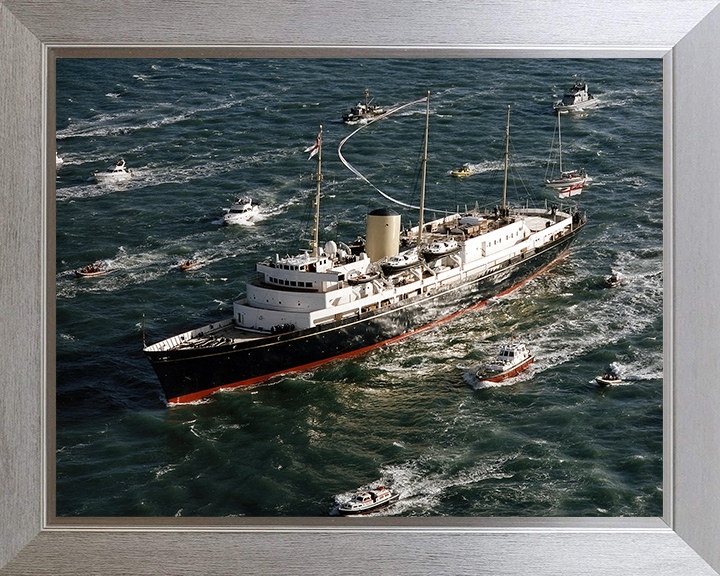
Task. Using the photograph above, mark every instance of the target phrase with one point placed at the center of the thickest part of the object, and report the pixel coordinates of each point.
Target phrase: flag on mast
(314, 148)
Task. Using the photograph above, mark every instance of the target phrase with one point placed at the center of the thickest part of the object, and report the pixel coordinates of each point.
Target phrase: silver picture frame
(685, 34)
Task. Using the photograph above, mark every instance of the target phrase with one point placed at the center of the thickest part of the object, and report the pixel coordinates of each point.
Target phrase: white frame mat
(684, 33)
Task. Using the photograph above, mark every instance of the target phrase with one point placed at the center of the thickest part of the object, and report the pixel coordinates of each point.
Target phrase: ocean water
(198, 133)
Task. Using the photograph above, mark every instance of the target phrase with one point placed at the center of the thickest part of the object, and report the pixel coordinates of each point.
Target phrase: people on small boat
(242, 210)
(118, 171)
(607, 378)
(465, 170)
(612, 280)
(91, 269)
(363, 111)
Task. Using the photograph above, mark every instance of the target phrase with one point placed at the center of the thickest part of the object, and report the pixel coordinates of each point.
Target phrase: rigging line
(357, 172)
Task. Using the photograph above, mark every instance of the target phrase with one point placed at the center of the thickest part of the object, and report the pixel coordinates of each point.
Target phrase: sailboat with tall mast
(568, 182)
(302, 311)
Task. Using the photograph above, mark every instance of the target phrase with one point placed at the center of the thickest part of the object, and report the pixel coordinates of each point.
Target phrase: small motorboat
(364, 111)
(355, 277)
(512, 359)
(462, 172)
(364, 502)
(612, 281)
(575, 98)
(242, 210)
(440, 248)
(96, 269)
(189, 264)
(608, 379)
(401, 262)
(116, 173)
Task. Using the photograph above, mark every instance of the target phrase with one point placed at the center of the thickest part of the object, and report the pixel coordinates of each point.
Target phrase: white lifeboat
(367, 501)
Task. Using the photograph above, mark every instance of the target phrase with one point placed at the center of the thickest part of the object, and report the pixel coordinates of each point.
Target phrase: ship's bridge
(303, 277)
(307, 273)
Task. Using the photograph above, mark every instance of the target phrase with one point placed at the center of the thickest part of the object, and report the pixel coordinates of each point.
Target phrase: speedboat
(188, 264)
(512, 359)
(115, 173)
(608, 379)
(612, 281)
(462, 172)
(367, 501)
(363, 112)
(440, 248)
(242, 210)
(96, 269)
(575, 98)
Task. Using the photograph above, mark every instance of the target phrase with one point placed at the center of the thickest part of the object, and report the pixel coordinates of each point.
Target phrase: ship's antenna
(424, 171)
(507, 153)
(318, 178)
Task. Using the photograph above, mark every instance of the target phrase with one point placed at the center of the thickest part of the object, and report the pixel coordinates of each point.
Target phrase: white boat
(401, 262)
(116, 173)
(440, 248)
(512, 359)
(576, 98)
(356, 277)
(96, 269)
(242, 210)
(364, 111)
(58, 160)
(608, 379)
(612, 280)
(567, 182)
(367, 501)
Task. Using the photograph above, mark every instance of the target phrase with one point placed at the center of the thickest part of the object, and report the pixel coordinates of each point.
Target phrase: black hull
(189, 374)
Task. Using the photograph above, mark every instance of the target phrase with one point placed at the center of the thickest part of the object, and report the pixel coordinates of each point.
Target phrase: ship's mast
(318, 178)
(559, 145)
(421, 223)
(507, 154)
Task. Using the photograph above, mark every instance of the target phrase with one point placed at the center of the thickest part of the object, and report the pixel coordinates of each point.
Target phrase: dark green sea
(198, 133)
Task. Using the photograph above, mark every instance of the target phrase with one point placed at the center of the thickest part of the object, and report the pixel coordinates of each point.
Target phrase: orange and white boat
(512, 359)
(189, 264)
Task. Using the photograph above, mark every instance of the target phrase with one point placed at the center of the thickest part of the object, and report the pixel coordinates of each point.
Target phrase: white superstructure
(304, 291)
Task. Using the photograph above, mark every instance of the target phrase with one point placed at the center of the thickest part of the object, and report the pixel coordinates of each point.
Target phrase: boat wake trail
(360, 175)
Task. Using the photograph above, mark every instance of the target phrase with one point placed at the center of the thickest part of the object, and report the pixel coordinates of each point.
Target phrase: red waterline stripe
(305, 367)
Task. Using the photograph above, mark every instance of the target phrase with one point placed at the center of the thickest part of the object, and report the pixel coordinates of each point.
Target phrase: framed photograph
(465, 369)
(78, 488)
